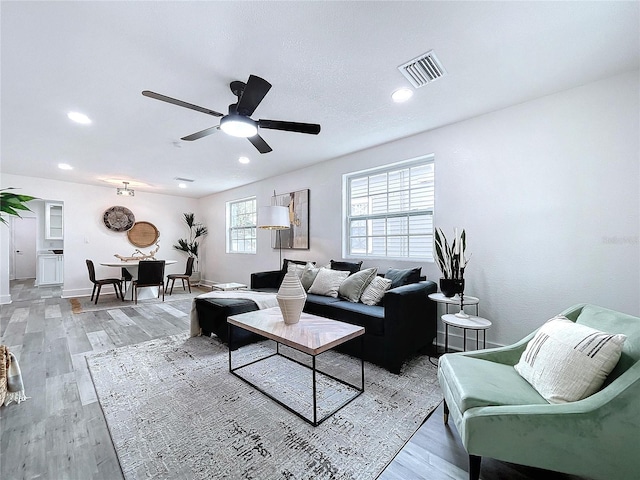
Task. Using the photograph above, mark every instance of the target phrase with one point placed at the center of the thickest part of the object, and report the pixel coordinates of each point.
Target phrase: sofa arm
(271, 279)
(410, 321)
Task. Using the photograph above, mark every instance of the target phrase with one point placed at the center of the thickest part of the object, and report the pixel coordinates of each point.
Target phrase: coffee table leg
(315, 409)
(229, 340)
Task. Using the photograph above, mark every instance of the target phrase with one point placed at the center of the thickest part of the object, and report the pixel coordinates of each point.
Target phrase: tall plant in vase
(452, 261)
(190, 245)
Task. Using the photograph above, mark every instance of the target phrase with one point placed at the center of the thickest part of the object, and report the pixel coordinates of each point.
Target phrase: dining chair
(182, 276)
(125, 277)
(117, 286)
(150, 274)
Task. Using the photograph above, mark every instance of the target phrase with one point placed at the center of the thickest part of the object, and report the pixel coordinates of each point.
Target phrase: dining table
(132, 267)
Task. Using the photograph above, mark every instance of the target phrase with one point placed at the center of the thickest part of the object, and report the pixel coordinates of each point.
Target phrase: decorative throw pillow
(286, 262)
(567, 361)
(403, 277)
(352, 288)
(309, 275)
(351, 267)
(328, 282)
(374, 292)
(296, 268)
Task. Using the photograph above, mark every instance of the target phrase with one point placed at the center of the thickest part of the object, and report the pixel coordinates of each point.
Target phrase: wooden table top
(312, 334)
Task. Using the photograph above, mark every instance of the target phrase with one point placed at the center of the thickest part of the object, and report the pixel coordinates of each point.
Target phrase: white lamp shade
(273, 218)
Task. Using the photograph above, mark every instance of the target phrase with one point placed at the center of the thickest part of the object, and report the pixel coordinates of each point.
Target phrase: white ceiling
(332, 63)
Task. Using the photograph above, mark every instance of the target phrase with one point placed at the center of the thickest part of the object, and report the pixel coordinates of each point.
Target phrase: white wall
(548, 192)
(85, 235)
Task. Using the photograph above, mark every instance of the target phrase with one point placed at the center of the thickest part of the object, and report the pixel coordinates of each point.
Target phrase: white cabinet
(50, 269)
(53, 221)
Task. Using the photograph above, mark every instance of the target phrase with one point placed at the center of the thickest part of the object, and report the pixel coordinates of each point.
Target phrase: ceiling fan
(238, 121)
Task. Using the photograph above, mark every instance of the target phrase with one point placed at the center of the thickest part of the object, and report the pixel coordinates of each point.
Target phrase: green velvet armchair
(499, 415)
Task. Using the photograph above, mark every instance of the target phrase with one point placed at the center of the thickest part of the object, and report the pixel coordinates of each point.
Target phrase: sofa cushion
(309, 275)
(566, 361)
(327, 282)
(351, 267)
(371, 317)
(373, 294)
(400, 277)
(479, 383)
(286, 262)
(352, 287)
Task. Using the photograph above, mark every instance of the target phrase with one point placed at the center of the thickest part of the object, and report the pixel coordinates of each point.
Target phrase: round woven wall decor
(143, 234)
(118, 219)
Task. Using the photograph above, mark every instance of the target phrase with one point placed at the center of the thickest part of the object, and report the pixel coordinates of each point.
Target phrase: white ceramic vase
(291, 297)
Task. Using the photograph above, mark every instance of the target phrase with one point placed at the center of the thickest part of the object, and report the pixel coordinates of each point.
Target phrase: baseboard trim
(5, 299)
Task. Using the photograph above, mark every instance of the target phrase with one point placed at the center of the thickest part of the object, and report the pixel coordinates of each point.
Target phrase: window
(389, 211)
(241, 226)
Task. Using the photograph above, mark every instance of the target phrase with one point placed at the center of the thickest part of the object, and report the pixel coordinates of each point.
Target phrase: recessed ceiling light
(244, 160)
(402, 95)
(182, 185)
(79, 117)
(65, 166)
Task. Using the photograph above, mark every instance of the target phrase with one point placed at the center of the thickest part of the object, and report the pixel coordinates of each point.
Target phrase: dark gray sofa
(403, 325)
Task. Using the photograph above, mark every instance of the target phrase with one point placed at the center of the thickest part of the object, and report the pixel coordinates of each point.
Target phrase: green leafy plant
(12, 204)
(196, 230)
(451, 259)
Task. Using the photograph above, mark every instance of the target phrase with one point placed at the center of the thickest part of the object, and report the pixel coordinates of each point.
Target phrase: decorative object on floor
(11, 203)
(451, 261)
(213, 425)
(139, 255)
(125, 191)
(190, 245)
(118, 218)
(598, 435)
(274, 218)
(11, 386)
(297, 237)
(143, 234)
(291, 297)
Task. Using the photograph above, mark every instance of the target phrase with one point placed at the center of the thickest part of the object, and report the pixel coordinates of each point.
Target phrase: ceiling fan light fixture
(238, 126)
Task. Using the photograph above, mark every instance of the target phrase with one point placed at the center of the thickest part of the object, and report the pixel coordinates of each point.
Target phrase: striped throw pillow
(567, 361)
(374, 292)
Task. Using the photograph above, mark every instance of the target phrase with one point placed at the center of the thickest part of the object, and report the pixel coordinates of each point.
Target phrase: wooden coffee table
(312, 335)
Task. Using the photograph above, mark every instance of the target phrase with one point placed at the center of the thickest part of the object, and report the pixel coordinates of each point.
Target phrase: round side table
(470, 323)
(455, 300)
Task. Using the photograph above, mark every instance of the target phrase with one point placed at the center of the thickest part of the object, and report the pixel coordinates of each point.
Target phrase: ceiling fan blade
(202, 133)
(180, 103)
(311, 128)
(254, 92)
(260, 144)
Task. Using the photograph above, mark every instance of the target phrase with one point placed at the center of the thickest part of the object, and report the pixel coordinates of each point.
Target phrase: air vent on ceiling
(423, 69)
(180, 179)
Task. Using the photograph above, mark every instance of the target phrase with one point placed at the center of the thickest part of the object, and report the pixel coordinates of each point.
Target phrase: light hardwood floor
(60, 432)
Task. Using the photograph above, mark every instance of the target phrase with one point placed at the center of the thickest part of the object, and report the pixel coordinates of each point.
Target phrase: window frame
(230, 229)
(348, 218)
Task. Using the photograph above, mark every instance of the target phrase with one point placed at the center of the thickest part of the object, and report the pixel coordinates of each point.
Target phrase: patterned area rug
(108, 301)
(174, 411)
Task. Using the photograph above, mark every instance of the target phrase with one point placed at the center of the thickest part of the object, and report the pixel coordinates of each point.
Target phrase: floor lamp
(274, 218)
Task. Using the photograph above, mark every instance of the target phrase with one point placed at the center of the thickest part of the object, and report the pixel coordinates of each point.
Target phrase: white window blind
(389, 211)
(241, 226)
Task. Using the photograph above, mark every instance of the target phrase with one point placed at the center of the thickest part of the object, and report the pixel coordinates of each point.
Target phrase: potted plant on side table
(451, 261)
(190, 245)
